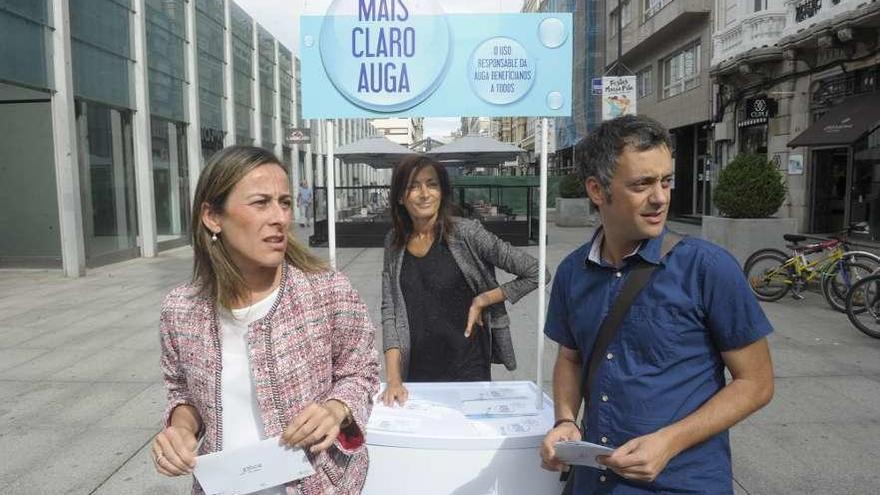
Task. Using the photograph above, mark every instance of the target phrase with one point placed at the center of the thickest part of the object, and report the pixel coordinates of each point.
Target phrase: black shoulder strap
(635, 282)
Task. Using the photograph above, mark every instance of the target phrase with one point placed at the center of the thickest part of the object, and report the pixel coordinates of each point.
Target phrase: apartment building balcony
(826, 30)
(805, 14)
(660, 20)
(758, 30)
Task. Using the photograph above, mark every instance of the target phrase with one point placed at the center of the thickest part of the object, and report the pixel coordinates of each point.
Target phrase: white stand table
(473, 438)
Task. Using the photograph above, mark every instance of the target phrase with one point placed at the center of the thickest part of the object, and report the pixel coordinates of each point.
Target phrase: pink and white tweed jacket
(315, 344)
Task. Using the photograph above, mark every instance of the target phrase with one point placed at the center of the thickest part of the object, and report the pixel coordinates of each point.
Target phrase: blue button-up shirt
(664, 362)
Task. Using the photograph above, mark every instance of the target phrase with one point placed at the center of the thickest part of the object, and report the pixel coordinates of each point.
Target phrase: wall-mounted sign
(795, 164)
(596, 86)
(371, 58)
(299, 135)
(618, 96)
(757, 108)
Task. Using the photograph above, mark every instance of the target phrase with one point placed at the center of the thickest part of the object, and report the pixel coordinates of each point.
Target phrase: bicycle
(772, 273)
(863, 305)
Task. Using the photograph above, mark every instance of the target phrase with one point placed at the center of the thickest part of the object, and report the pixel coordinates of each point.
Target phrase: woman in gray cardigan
(443, 313)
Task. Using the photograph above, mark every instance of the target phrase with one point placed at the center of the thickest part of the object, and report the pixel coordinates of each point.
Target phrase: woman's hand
(482, 301)
(173, 451)
(394, 391)
(475, 316)
(317, 426)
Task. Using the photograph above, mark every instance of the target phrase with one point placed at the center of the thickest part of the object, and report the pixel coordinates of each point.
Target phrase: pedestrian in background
(266, 341)
(443, 312)
(657, 392)
(304, 203)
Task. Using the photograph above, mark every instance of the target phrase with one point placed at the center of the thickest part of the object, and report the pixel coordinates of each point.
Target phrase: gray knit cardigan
(477, 252)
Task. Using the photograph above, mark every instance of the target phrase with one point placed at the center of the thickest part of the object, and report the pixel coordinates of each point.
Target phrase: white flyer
(249, 469)
(581, 453)
(499, 407)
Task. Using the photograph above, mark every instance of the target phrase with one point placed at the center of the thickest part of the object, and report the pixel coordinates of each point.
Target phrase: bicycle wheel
(863, 257)
(863, 306)
(759, 252)
(837, 283)
(768, 276)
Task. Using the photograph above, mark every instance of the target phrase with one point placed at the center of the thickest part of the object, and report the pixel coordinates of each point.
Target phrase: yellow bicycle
(772, 273)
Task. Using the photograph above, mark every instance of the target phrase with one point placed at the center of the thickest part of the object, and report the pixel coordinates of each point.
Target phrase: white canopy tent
(375, 151)
(475, 151)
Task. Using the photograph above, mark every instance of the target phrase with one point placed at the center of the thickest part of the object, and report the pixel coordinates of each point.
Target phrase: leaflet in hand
(581, 453)
(251, 468)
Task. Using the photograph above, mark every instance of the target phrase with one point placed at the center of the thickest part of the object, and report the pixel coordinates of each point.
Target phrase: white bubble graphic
(555, 100)
(552, 32)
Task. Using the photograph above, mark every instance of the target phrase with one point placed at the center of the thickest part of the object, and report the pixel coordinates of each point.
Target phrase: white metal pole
(331, 196)
(542, 261)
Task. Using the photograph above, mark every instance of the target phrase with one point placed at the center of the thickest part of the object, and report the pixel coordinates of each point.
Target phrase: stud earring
(213, 237)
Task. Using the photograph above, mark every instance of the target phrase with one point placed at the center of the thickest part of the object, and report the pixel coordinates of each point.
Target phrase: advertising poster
(370, 58)
(618, 96)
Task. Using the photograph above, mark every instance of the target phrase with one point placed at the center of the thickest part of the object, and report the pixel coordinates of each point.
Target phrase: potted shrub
(573, 209)
(749, 191)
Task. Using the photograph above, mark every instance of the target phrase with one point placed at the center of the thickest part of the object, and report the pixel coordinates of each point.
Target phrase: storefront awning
(844, 124)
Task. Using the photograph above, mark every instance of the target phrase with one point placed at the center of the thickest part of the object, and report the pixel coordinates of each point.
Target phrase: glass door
(864, 203)
(830, 184)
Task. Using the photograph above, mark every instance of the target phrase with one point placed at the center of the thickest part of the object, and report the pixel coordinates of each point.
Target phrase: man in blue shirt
(659, 395)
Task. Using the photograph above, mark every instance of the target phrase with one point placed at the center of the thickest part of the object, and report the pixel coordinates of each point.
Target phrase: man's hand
(642, 458)
(565, 431)
(317, 426)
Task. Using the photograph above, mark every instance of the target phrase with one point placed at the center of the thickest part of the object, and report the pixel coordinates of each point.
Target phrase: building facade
(799, 81)
(405, 131)
(109, 109)
(589, 62)
(667, 45)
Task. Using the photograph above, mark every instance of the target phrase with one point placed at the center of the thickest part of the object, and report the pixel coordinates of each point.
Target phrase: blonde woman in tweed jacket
(266, 341)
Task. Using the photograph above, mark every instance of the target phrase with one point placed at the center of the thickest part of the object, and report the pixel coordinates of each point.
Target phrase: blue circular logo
(385, 55)
(501, 71)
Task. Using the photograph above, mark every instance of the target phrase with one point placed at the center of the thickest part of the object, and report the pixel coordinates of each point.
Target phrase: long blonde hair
(214, 271)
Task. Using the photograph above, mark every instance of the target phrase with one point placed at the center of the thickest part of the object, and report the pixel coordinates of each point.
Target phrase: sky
(281, 18)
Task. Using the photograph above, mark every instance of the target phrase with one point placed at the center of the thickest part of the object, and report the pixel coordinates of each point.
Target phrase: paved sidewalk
(81, 394)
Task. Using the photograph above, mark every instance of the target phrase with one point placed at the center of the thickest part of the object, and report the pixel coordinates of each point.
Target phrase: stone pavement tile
(47, 316)
(71, 404)
(80, 465)
(138, 476)
(10, 358)
(78, 364)
(821, 458)
(114, 364)
(848, 399)
(46, 364)
(145, 339)
(77, 336)
(30, 450)
(18, 336)
(795, 356)
(141, 410)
